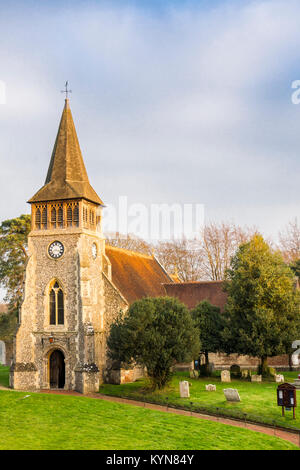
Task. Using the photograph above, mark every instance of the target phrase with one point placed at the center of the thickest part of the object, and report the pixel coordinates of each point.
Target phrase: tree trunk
(264, 365)
(290, 363)
(206, 358)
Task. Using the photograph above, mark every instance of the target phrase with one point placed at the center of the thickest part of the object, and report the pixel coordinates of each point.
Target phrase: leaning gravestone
(225, 376)
(194, 374)
(231, 394)
(255, 378)
(279, 378)
(210, 388)
(184, 389)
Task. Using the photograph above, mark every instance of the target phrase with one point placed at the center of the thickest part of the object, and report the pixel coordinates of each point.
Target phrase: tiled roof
(191, 293)
(136, 275)
(67, 177)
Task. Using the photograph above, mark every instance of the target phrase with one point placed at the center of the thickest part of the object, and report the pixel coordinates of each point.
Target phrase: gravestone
(231, 394)
(245, 373)
(256, 378)
(210, 388)
(194, 374)
(2, 353)
(184, 389)
(296, 383)
(279, 378)
(225, 376)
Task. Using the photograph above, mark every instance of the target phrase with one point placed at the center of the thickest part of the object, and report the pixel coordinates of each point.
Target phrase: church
(75, 285)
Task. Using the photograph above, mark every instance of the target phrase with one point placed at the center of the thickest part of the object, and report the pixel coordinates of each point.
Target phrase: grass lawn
(43, 421)
(4, 376)
(258, 400)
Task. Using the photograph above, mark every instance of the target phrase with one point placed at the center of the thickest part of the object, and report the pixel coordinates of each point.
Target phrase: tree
(210, 324)
(289, 242)
(13, 257)
(129, 242)
(155, 333)
(295, 267)
(181, 256)
(263, 306)
(219, 243)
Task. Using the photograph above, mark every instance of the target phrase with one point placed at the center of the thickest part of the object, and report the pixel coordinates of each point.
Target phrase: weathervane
(66, 91)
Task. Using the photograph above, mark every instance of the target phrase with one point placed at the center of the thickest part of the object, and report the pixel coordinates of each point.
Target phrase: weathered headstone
(2, 353)
(231, 394)
(194, 374)
(210, 388)
(245, 373)
(256, 378)
(225, 376)
(279, 378)
(296, 383)
(184, 389)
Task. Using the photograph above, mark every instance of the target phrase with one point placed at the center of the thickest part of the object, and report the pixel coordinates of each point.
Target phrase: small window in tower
(56, 305)
(92, 217)
(52, 307)
(76, 215)
(69, 216)
(60, 217)
(38, 219)
(53, 217)
(44, 218)
(60, 307)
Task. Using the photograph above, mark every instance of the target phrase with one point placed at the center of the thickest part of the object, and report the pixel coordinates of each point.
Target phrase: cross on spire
(66, 90)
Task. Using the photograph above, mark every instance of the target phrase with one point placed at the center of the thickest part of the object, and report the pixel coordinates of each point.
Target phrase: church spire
(67, 177)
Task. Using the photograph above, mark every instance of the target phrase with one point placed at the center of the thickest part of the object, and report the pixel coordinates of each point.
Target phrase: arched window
(44, 218)
(53, 217)
(38, 219)
(69, 216)
(76, 216)
(56, 304)
(60, 217)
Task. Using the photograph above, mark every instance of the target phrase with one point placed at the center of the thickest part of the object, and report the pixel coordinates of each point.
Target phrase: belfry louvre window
(53, 217)
(56, 305)
(69, 216)
(44, 218)
(76, 216)
(60, 217)
(38, 219)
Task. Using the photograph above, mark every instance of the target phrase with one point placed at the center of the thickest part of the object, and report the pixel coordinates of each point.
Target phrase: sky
(173, 102)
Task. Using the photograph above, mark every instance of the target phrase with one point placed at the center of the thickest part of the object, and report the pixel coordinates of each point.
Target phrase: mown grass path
(56, 421)
(52, 421)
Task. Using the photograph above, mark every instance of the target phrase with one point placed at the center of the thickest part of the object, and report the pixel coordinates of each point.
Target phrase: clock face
(56, 250)
(94, 250)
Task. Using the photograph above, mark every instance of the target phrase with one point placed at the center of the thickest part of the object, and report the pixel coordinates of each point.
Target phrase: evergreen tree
(13, 257)
(263, 306)
(155, 333)
(210, 324)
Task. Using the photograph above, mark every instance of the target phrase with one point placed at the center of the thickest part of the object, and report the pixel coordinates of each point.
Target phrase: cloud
(187, 103)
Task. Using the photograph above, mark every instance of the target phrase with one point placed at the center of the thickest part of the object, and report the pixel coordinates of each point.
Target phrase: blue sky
(173, 101)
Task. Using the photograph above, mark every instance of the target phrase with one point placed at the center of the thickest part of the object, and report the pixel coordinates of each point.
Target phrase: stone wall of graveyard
(222, 361)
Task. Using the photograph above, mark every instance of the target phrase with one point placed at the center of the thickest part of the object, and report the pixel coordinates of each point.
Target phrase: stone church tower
(60, 342)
